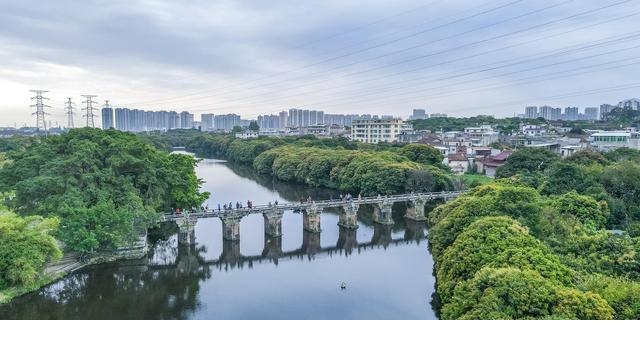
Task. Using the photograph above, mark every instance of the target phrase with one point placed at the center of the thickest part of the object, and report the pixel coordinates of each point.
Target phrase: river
(387, 270)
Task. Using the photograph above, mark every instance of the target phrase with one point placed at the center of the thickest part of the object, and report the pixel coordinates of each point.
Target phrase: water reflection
(196, 274)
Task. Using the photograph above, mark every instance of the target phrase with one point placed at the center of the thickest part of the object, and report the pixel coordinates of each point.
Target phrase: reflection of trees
(130, 291)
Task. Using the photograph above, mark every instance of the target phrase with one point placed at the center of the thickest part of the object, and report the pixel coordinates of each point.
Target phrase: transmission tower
(89, 115)
(39, 105)
(69, 111)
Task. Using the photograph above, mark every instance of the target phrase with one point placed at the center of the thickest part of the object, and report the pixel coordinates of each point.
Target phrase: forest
(367, 169)
(85, 191)
(550, 239)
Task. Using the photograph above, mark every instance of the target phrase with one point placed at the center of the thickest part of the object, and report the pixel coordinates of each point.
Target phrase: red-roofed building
(490, 164)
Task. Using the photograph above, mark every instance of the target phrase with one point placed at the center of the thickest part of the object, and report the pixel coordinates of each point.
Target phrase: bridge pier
(382, 212)
(349, 216)
(231, 226)
(311, 219)
(186, 230)
(347, 239)
(415, 209)
(273, 222)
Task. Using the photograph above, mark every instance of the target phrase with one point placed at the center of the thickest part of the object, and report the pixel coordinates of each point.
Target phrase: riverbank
(71, 263)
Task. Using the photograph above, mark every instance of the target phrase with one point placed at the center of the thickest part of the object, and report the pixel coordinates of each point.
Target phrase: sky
(251, 57)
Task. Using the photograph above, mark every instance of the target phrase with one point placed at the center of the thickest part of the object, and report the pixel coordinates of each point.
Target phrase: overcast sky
(255, 57)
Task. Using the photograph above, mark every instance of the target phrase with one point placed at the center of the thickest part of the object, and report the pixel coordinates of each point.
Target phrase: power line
(69, 112)
(309, 83)
(40, 105)
(89, 115)
(347, 54)
(403, 85)
(440, 52)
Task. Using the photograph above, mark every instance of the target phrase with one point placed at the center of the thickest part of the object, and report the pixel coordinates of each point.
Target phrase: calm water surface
(388, 270)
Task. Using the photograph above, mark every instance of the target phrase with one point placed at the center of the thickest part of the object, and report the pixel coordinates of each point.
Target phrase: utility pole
(69, 111)
(40, 113)
(89, 115)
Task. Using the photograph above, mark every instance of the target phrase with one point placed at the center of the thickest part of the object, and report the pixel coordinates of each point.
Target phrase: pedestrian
(340, 197)
(276, 202)
(219, 207)
(360, 196)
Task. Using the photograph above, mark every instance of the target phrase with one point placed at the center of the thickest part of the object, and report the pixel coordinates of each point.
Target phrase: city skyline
(462, 59)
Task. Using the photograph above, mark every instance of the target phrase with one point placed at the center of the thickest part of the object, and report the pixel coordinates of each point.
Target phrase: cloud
(252, 57)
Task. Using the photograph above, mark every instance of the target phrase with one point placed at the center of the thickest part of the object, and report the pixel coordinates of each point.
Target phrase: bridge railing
(307, 204)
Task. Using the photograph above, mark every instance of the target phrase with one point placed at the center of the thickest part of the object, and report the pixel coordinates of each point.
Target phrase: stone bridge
(311, 212)
(188, 259)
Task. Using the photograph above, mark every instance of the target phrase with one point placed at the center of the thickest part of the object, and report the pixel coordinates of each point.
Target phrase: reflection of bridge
(311, 211)
(188, 259)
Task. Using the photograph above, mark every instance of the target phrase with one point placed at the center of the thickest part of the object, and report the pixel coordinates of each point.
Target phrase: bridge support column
(186, 230)
(273, 222)
(382, 212)
(347, 239)
(231, 227)
(349, 216)
(311, 219)
(415, 209)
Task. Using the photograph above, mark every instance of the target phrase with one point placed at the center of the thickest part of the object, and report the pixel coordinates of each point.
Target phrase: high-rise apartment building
(107, 117)
(419, 114)
(206, 122)
(531, 112)
(186, 120)
(591, 113)
(630, 104)
(225, 122)
(571, 113)
(605, 109)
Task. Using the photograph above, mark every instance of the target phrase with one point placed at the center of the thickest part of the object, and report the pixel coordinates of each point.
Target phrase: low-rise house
(458, 163)
(490, 164)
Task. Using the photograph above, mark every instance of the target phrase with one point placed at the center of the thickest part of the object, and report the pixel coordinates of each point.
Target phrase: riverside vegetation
(92, 190)
(333, 163)
(534, 244)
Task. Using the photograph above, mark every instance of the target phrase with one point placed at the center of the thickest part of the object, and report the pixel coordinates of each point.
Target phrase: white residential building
(373, 131)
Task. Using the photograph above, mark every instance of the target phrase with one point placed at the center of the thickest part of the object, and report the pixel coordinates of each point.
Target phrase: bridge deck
(299, 206)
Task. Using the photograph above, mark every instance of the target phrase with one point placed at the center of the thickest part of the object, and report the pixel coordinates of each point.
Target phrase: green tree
(253, 126)
(236, 129)
(504, 293)
(422, 153)
(527, 161)
(495, 242)
(26, 245)
(104, 186)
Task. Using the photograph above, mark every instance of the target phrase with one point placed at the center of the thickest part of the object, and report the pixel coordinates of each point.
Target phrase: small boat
(343, 286)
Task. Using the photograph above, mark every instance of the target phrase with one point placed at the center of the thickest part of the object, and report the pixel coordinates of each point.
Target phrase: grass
(475, 179)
